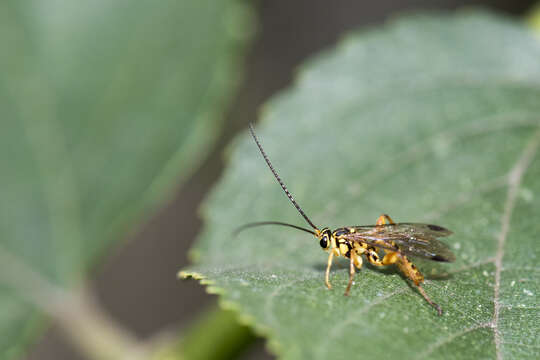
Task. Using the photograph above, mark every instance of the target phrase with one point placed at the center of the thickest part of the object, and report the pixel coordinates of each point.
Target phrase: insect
(398, 241)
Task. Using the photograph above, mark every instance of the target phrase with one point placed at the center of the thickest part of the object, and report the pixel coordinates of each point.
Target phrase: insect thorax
(343, 246)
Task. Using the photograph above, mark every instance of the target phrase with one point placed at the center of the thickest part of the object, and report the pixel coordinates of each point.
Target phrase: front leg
(328, 266)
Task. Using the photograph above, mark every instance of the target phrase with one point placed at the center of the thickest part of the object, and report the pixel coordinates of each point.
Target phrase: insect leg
(407, 268)
(435, 305)
(357, 253)
(384, 219)
(390, 258)
(351, 273)
(411, 272)
(373, 257)
(328, 266)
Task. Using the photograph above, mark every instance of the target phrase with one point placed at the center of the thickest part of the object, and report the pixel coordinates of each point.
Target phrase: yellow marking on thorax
(343, 248)
(334, 247)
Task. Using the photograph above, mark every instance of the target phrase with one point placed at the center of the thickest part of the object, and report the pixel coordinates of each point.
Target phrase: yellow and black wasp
(396, 240)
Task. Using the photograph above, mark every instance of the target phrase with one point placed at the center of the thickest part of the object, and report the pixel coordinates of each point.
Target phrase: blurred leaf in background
(534, 19)
(430, 119)
(106, 107)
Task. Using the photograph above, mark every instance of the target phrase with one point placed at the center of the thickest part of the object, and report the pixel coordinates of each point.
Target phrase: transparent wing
(413, 239)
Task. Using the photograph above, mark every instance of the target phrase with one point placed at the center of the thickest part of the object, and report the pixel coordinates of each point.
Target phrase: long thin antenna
(278, 178)
(261, 223)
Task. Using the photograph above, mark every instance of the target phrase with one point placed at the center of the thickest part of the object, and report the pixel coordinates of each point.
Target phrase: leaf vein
(452, 337)
(524, 345)
(351, 319)
(514, 181)
(416, 152)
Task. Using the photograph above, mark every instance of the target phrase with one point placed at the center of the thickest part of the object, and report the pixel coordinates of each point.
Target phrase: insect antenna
(279, 179)
(262, 223)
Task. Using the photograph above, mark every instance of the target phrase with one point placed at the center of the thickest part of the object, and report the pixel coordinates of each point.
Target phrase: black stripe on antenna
(278, 178)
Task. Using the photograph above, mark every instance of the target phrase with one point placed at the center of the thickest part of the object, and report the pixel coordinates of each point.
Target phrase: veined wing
(434, 231)
(413, 239)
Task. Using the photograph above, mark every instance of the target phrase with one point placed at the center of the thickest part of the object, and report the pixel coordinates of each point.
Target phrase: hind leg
(412, 272)
(406, 267)
(384, 219)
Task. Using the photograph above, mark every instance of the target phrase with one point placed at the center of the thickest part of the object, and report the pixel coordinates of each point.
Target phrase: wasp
(396, 240)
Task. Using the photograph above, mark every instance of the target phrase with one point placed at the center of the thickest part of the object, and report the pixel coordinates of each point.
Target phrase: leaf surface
(106, 107)
(430, 118)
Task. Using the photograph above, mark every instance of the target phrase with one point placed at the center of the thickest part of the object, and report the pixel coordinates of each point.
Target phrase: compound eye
(324, 242)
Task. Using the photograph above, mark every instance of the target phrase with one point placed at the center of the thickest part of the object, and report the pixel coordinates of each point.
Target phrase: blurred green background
(146, 98)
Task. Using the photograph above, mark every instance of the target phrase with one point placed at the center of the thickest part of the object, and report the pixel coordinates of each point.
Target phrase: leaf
(534, 19)
(107, 107)
(432, 118)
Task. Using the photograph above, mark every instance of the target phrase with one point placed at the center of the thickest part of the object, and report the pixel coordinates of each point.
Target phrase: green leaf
(429, 119)
(534, 19)
(106, 107)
